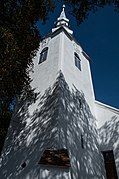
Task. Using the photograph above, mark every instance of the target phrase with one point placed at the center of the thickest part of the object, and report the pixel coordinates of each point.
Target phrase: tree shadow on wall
(60, 118)
(109, 137)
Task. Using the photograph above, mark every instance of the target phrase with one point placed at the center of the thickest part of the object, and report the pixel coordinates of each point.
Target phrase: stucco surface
(108, 127)
(61, 117)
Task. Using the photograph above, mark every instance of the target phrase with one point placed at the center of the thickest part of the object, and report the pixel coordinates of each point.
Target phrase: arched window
(77, 61)
(43, 55)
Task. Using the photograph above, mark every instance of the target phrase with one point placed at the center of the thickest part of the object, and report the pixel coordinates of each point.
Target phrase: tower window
(77, 61)
(43, 55)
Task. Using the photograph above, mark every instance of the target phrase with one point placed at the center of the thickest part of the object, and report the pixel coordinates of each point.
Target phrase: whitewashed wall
(45, 74)
(62, 111)
(80, 79)
(108, 127)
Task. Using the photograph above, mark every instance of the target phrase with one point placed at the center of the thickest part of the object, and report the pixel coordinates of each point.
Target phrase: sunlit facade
(62, 132)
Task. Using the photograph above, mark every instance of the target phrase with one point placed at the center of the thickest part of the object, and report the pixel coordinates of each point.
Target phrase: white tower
(54, 136)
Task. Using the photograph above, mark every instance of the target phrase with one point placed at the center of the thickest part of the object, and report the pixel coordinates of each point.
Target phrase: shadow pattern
(60, 118)
(109, 138)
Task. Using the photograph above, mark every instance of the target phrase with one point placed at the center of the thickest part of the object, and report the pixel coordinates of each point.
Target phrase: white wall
(80, 79)
(55, 119)
(108, 127)
(45, 74)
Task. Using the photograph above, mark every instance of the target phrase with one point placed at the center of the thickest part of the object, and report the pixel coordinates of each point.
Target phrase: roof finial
(63, 7)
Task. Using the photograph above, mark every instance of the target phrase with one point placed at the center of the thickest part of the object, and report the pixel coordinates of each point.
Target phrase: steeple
(63, 22)
(62, 18)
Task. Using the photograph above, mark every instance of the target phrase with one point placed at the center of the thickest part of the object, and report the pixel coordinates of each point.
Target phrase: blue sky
(99, 37)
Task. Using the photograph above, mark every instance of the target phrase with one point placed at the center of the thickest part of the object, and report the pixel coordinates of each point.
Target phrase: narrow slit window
(77, 61)
(43, 55)
(82, 141)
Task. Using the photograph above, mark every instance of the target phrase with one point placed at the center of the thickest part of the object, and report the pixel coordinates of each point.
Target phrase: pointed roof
(62, 21)
(63, 15)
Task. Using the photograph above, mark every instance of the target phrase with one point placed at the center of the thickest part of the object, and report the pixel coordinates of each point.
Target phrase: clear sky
(99, 37)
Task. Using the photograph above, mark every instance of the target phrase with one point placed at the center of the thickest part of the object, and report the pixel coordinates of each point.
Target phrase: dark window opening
(55, 157)
(43, 55)
(77, 61)
(82, 141)
(110, 166)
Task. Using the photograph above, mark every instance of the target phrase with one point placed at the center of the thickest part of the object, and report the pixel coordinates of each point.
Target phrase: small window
(82, 141)
(77, 61)
(58, 157)
(43, 55)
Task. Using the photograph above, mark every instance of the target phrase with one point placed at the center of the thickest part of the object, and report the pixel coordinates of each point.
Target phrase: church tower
(54, 134)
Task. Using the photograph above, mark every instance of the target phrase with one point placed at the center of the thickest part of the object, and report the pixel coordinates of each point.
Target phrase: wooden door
(110, 166)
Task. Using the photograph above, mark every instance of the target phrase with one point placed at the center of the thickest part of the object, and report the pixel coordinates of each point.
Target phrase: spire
(62, 21)
(62, 15)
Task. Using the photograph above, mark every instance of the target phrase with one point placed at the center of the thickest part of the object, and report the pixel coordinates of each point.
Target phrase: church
(61, 131)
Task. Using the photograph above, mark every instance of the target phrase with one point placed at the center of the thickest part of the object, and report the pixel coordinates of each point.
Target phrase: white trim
(116, 110)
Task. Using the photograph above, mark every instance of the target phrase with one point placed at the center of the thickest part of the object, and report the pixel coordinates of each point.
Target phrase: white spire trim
(62, 21)
(63, 15)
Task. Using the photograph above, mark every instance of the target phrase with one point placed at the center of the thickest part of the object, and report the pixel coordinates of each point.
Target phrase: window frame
(43, 55)
(77, 61)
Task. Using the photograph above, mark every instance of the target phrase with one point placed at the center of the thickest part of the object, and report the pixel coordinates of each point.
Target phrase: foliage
(19, 40)
(81, 8)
